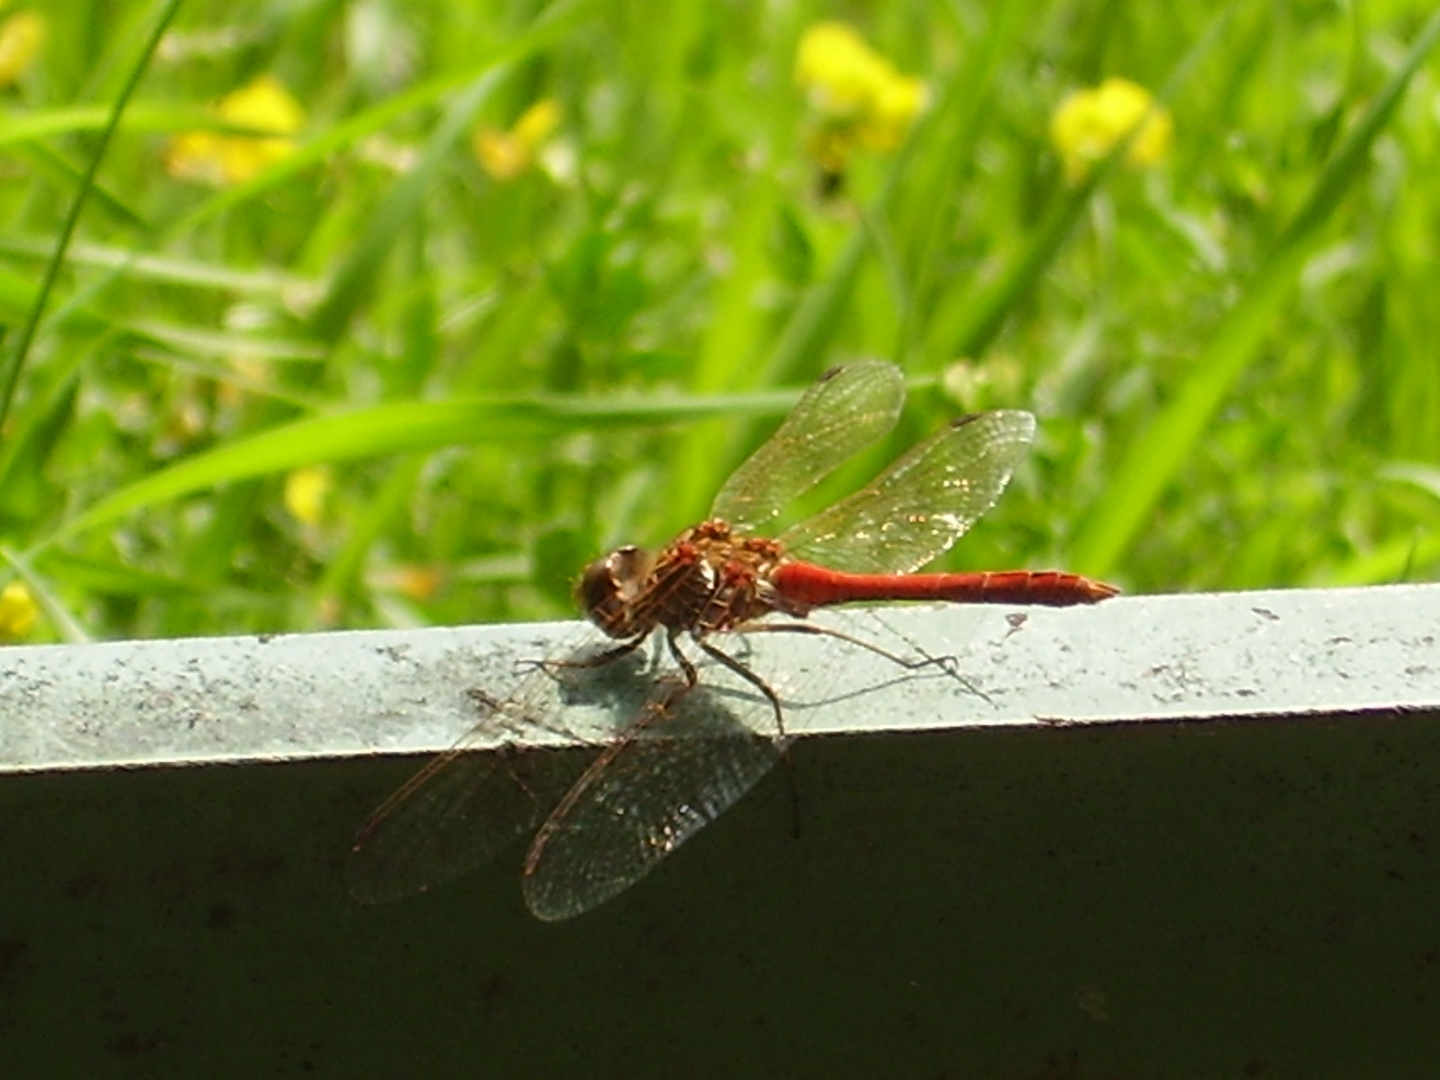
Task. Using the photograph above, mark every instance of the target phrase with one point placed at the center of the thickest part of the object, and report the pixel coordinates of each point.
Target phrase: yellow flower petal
(897, 103)
(537, 123)
(263, 104)
(306, 493)
(860, 101)
(18, 611)
(196, 155)
(1089, 123)
(22, 36)
(500, 154)
(839, 70)
(507, 154)
(244, 159)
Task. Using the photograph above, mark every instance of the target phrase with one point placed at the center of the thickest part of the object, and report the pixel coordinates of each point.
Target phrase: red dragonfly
(676, 758)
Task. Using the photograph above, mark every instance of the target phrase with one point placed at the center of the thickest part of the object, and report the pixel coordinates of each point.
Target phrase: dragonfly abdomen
(806, 585)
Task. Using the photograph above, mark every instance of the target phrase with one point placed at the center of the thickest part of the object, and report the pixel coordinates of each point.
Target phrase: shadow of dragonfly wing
(496, 783)
(687, 759)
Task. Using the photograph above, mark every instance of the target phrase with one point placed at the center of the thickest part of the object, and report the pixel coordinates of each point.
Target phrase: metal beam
(1136, 659)
(1171, 837)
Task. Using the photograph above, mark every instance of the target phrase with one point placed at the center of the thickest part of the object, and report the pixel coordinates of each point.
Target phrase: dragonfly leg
(949, 663)
(599, 660)
(691, 675)
(492, 709)
(760, 684)
(750, 677)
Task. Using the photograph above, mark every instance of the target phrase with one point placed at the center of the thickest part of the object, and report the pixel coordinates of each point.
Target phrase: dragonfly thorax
(704, 580)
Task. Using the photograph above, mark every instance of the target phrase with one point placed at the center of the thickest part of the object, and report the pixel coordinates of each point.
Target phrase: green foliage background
(1234, 358)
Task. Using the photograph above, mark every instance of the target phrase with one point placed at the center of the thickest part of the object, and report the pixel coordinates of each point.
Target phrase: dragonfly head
(608, 588)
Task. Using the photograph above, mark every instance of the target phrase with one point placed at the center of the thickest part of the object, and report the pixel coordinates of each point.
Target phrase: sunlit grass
(512, 362)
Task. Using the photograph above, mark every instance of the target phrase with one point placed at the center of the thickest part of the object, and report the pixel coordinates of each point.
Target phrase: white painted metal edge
(1134, 659)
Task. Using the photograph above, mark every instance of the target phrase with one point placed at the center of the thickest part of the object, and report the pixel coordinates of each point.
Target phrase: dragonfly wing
(682, 765)
(847, 410)
(916, 509)
(451, 817)
(494, 784)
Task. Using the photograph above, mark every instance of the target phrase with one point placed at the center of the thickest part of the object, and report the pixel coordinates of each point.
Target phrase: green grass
(1233, 357)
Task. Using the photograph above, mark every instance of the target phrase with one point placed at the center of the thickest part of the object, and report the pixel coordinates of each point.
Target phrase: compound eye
(597, 585)
(617, 576)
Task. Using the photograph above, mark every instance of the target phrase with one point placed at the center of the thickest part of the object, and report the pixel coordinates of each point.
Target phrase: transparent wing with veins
(686, 761)
(453, 816)
(847, 410)
(670, 763)
(472, 801)
(916, 509)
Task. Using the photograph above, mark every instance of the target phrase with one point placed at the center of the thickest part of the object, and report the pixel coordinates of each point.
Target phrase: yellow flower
(17, 611)
(21, 37)
(216, 158)
(859, 100)
(899, 101)
(838, 70)
(307, 491)
(507, 154)
(1089, 123)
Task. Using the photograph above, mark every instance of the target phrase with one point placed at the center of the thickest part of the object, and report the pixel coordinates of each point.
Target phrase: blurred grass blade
(153, 118)
(348, 564)
(736, 332)
(1156, 459)
(926, 218)
(354, 281)
(1390, 563)
(969, 322)
(409, 427)
(10, 373)
(188, 273)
